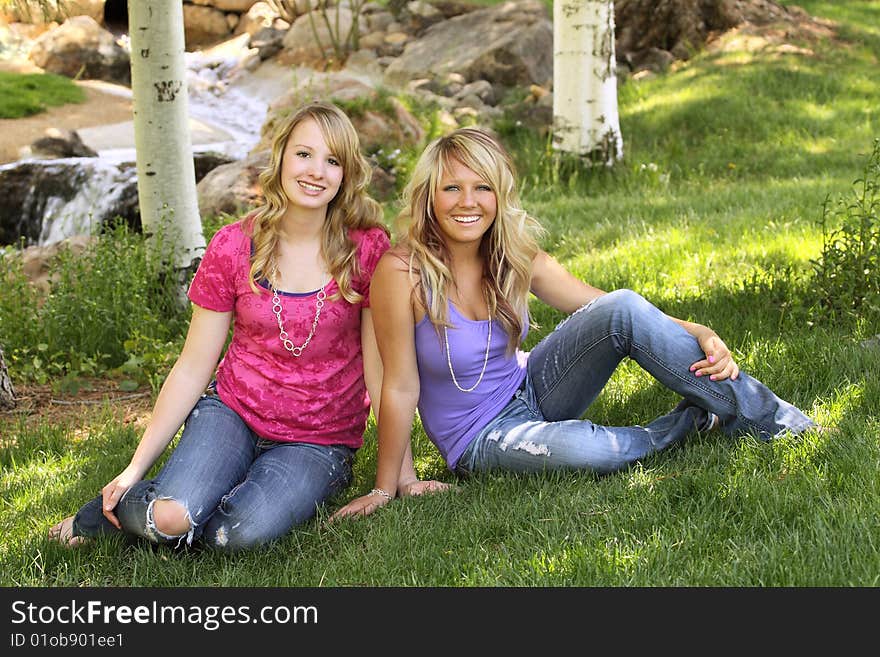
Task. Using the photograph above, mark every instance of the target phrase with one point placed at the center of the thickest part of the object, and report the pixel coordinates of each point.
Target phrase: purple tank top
(452, 418)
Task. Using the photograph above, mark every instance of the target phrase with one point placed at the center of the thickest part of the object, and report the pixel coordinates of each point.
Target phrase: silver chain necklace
(283, 335)
(485, 360)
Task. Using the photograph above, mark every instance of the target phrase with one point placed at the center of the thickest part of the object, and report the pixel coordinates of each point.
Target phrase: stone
(80, 48)
(57, 144)
(233, 188)
(515, 47)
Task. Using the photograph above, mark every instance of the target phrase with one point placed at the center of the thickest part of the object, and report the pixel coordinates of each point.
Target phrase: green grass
(714, 216)
(24, 94)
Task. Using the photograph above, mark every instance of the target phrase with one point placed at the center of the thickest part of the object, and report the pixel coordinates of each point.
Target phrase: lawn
(715, 214)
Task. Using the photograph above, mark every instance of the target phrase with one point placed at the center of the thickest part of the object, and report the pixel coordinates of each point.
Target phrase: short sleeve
(213, 286)
(373, 244)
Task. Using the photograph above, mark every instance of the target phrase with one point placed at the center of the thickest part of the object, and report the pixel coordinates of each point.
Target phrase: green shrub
(847, 273)
(102, 303)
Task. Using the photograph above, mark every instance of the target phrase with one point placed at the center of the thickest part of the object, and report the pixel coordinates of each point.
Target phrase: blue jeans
(539, 429)
(239, 490)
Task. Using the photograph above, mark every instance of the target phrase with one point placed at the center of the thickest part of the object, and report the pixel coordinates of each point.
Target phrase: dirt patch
(95, 400)
(99, 108)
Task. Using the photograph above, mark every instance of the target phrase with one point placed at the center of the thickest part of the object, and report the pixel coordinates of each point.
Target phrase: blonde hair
(508, 246)
(352, 207)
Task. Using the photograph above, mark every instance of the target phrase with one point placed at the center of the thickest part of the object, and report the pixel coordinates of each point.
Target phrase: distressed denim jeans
(239, 490)
(539, 429)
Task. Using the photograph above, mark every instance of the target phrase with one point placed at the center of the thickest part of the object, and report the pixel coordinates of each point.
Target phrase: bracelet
(383, 493)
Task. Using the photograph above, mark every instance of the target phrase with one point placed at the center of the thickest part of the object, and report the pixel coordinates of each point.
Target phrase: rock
(203, 26)
(260, 15)
(267, 41)
(37, 261)
(650, 59)
(233, 188)
(57, 144)
(300, 47)
(514, 48)
(341, 86)
(40, 12)
(81, 48)
(207, 161)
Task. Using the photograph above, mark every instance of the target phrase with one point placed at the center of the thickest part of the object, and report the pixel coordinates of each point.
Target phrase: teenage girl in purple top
(272, 434)
(451, 311)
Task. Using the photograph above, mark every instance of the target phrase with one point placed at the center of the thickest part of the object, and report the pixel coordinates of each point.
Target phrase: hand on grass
(361, 506)
(419, 487)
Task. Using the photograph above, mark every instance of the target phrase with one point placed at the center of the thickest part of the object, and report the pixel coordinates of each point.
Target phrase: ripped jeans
(239, 490)
(539, 428)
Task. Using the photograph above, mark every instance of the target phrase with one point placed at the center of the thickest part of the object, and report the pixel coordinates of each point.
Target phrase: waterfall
(46, 201)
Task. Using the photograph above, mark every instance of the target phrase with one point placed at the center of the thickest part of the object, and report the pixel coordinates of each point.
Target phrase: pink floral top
(319, 397)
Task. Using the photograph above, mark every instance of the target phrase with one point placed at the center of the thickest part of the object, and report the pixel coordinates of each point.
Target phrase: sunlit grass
(713, 215)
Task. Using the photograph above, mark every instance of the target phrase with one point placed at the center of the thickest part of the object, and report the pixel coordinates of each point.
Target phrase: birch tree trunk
(7, 392)
(585, 118)
(165, 173)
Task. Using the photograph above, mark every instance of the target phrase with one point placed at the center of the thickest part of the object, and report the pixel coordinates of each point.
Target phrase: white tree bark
(585, 118)
(165, 172)
(7, 392)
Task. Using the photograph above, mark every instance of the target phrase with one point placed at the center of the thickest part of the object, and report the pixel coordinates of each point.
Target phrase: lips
(310, 187)
(466, 219)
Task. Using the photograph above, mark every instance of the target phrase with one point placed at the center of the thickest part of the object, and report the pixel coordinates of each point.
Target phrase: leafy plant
(101, 303)
(847, 273)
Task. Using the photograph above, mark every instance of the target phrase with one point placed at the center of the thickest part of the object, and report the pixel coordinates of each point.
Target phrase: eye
(303, 154)
(334, 161)
(451, 188)
(484, 188)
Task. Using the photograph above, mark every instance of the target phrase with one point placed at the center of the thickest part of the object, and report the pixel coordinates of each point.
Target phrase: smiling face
(311, 173)
(464, 204)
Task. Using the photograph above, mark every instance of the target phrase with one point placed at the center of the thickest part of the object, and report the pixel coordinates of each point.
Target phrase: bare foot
(63, 533)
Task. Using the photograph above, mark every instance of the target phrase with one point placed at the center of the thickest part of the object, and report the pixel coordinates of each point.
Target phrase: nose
(316, 170)
(467, 199)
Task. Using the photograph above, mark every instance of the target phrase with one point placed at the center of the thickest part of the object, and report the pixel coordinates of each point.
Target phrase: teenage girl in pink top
(270, 434)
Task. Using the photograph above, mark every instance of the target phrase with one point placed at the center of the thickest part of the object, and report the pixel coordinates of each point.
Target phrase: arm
(408, 479)
(556, 287)
(390, 294)
(185, 383)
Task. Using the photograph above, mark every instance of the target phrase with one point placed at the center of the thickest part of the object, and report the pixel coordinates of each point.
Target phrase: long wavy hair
(352, 207)
(508, 247)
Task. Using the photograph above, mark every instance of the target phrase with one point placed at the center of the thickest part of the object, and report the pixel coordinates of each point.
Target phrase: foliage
(712, 216)
(26, 94)
(106, 307)
(847, 273)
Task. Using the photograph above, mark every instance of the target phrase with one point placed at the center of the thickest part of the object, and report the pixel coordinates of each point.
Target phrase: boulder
(204, 26)
(299, 45)
(233, 188)
(380, 123)
(514, 48)
(80, 47)
(57, 144)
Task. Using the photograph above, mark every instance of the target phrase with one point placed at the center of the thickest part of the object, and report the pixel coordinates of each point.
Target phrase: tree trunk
(678, 26)
(585, 118)
(165, 172)
(7, 392)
